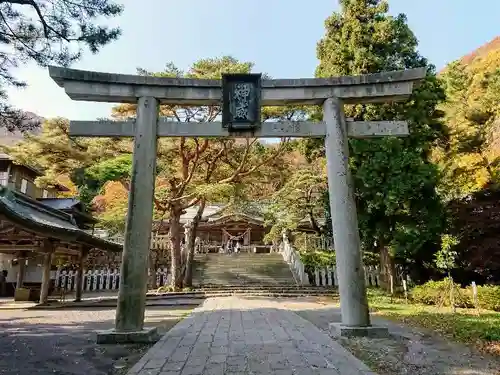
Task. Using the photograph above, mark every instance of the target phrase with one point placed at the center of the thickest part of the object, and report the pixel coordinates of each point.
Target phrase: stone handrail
(292, 258)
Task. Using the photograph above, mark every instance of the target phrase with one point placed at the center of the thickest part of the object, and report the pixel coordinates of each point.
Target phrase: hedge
(488, 297)
(318, 258)
(436, 292)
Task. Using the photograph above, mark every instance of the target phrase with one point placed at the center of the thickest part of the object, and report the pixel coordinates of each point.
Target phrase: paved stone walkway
(231, 335)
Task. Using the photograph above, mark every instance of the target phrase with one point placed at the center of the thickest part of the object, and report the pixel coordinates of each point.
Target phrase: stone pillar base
(146, 336)
(22, 294)
(376, 332)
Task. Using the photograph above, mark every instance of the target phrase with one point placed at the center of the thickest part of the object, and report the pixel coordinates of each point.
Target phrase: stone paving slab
(234, 335)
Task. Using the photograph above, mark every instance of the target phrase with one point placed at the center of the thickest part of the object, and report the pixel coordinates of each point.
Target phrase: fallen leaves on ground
(480, 329)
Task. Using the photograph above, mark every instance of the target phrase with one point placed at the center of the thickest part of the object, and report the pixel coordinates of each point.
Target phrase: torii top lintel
(124, 88)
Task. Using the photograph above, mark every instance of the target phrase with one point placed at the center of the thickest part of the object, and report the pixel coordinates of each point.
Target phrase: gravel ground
(407, 351)
(62, 342)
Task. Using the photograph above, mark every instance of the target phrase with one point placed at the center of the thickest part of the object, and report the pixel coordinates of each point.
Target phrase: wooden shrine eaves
(31, 216)
(293, 129)
(123, 88)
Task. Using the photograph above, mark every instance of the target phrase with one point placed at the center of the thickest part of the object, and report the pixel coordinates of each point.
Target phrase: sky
(279, 36)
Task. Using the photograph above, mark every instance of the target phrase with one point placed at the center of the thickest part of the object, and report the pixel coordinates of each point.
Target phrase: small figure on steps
(197, 247)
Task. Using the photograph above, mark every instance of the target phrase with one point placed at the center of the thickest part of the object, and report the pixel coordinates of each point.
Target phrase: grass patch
(480, 329)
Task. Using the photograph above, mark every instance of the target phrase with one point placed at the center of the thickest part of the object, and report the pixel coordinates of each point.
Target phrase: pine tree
(47, 32)
(399, 211)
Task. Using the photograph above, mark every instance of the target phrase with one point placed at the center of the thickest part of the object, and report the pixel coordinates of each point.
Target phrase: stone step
(284, 287)
(236, 273)
(260, 293)
(241, 269)
(242, 279)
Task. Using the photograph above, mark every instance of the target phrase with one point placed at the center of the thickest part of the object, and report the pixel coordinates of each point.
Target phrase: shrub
(318, 258)
(170, 289)
(488, 297)
(438, 292)
(165, 289)
(429, 293)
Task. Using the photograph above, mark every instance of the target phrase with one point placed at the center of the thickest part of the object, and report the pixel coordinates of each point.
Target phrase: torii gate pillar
(135, 257)
(349, 265)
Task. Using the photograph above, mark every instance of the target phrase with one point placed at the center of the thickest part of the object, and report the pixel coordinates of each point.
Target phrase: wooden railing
(101, 280)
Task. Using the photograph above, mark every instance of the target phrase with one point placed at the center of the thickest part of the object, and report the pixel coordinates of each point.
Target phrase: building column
(48, 248)
(79, 275)
(22, 270)
(352, 289)
(134, 266)
(187, 227)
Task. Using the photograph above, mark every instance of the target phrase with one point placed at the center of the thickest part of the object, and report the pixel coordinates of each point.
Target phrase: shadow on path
(62, 342)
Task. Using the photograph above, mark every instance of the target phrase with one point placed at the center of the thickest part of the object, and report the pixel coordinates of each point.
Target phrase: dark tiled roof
(46, 221)
(60, 203)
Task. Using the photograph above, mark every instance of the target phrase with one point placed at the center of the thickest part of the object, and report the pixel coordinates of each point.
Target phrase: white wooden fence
(327, 276)
(322, 276)
(101, 280)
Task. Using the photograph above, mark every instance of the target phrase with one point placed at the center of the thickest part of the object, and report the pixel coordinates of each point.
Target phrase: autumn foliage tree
(190, 171)
(197, 170)
(471, 159)
(470, 162)
(88, 163)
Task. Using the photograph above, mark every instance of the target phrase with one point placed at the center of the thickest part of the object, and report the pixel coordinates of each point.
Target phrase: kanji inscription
(241, 101)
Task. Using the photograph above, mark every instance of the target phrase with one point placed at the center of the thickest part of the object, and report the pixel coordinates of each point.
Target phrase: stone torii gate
(150, 92)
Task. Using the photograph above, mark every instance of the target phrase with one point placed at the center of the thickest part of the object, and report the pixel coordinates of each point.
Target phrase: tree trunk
(188, 276)
(314, 224)
(387, 269)
(175, 241)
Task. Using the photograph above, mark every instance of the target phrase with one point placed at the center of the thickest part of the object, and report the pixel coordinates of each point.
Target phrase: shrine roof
(218, 211)
(36, 217)
(233, 216)
(60, 203)
(190, 212)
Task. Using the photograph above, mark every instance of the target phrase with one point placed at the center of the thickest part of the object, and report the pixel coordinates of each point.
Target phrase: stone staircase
(248, 290)
(242, 269)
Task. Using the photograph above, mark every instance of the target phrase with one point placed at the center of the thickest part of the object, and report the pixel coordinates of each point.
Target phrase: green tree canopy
(88, 162)
(398, 207)
(300, 199)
